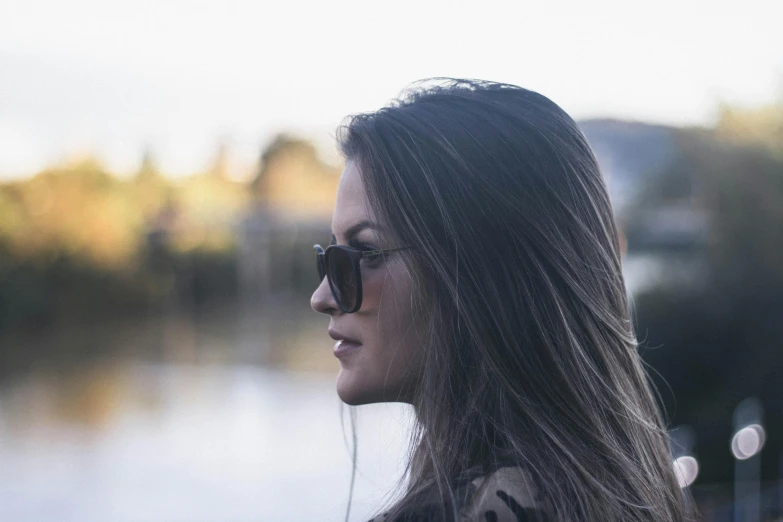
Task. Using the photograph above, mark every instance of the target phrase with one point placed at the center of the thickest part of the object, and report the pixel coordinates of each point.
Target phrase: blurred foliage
(76, 241)
(718, 342)
(758, 126)
(78, 211)
(292, 176)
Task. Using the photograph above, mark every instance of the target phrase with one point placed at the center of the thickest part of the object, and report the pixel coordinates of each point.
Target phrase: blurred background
(166, 167)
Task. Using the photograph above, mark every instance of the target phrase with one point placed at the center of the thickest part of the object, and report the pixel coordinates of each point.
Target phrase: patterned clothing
(506, 495)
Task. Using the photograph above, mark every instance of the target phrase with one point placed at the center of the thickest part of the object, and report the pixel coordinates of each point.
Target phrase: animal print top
(506, 495)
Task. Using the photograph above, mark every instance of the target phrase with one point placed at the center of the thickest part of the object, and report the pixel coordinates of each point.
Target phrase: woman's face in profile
(385, 364)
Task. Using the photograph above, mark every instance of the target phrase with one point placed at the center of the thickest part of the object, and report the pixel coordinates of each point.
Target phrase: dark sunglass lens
(343, 277)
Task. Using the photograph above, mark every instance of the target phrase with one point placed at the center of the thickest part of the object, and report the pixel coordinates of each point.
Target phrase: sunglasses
(340, 265)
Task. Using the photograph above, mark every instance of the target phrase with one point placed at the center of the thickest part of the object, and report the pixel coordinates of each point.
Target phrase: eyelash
(368, 260)
(361, 246)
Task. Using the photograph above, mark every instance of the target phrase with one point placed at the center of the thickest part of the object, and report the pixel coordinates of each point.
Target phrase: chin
(351, 400)
(355, 393)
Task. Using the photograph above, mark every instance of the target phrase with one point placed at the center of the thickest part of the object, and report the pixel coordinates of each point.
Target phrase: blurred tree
(150, 189)
(761, 125)
(292, 180)
(148, 170)
(718, 342)
(210, 203)
(78, 210)
(220, 165)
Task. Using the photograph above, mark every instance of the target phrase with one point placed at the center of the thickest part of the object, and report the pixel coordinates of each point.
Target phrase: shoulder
(506, 495)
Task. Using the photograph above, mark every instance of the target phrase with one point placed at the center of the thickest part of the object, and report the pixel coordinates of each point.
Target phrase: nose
(322, 299)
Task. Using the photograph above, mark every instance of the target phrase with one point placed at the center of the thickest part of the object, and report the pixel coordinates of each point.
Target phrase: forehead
(351, 205)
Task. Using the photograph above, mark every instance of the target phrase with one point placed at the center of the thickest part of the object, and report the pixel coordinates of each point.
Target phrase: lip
(343, 348)
(337, 336)
(345, 345)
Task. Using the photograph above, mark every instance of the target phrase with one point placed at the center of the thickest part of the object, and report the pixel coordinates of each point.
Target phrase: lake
(143, 442)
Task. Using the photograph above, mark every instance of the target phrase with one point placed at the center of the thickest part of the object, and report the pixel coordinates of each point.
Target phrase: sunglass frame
(355, 256)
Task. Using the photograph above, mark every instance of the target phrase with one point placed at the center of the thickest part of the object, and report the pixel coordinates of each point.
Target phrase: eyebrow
(358, 227)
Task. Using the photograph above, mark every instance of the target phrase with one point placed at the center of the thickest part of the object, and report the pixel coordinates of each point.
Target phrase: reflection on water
(221, 416)
(184, 442)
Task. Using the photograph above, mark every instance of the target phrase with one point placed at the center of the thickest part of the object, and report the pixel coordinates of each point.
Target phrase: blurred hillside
(630, 155)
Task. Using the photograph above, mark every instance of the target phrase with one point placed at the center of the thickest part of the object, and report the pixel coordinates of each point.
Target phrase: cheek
(397, 333)
(387, 294)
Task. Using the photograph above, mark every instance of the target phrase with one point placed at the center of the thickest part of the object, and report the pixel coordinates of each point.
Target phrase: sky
(113, 78)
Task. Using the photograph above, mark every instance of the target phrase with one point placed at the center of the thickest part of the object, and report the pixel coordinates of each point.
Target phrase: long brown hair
(531, 358)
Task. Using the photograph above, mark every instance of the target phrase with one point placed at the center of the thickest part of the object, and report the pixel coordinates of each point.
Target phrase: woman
(477, 277)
